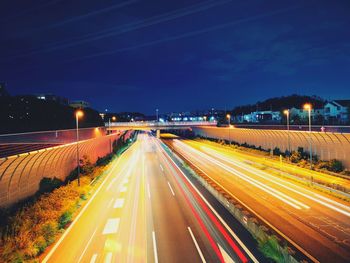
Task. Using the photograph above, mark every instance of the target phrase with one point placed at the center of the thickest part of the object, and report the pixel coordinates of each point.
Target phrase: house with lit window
(337, 111)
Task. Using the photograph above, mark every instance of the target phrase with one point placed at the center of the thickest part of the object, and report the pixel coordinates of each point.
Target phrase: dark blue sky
(175, 55)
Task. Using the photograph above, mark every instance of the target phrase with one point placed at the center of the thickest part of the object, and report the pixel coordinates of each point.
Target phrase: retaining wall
(20, 175)
(324, 144)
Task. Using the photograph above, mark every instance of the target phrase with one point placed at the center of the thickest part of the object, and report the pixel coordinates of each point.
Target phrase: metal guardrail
(55, 136)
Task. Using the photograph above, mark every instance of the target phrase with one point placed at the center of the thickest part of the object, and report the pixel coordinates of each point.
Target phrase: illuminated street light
(286, 112)
(228, 116)
(156, 115)
(78, 114)
(308, 107)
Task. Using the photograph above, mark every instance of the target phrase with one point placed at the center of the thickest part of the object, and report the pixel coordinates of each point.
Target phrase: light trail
(284, 184)
(279, 195)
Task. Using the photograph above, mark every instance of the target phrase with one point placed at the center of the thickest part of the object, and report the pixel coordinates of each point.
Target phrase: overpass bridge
(154, 125)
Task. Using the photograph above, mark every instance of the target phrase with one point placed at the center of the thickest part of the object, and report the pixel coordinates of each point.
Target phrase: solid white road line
(161, 167)
(87, 245)
(108, 258)
(119, 203)
(226, 256)
(93, 258)
(111, 226)
(155, 247)
(171, 189)
(196, 244)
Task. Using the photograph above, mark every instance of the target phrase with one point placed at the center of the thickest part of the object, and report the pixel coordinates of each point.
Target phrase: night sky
(175, 55)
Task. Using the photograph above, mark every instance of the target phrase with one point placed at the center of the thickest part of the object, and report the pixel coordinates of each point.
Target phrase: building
(79, 104)
(54, 98)
(261, 117)
(303, 114)
(337, 111)
(3, 91)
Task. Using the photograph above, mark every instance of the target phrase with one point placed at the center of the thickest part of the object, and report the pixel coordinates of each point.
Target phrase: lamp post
(157, 115)
(308, 107)
(78, 114)
(286, 112)
(228, 116)
(109, 132)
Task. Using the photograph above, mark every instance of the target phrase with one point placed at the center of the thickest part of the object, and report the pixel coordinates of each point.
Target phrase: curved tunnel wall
(325, 145)
(20, 175)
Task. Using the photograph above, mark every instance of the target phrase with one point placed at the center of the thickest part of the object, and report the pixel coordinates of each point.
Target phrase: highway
(147, 210)
(316, 223)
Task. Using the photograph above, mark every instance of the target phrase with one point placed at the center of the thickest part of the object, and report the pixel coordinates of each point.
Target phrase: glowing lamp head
(79, 113)
(114, 118)
(286, 112)
(307, 106)
(228, 116)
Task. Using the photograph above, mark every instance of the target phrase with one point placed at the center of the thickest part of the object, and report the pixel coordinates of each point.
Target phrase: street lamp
(78, 114)
(286, 112)
(308, 107)
(157, 115)
(109, 132)
(228, 116)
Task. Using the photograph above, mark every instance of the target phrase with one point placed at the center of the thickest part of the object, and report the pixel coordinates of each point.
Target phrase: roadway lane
(317, 223)
(145, 210)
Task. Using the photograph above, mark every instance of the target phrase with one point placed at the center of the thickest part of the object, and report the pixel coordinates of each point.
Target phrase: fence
(325, 145)
(20, 175)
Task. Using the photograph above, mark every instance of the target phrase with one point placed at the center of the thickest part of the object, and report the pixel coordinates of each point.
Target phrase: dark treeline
(27, 113)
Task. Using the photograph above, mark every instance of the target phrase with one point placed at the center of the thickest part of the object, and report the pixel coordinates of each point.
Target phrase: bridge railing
(161, 124)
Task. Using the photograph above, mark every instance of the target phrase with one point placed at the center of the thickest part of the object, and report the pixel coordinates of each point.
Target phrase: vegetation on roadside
(272, 250)
(28, 228)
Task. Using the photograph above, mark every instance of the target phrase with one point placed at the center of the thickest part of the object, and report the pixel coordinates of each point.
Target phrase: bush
(49, 231)
(49, 184)
(276, 151)
(295, 157)
(64, 219)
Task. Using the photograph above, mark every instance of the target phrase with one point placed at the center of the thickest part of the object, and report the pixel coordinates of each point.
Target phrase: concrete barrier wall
(20, 175)
(325, 145)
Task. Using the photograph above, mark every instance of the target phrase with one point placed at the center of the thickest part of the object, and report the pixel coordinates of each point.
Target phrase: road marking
(80, 214)
(225, 255)
(111, 226)
(148, 191)
(196, 244)
(155, 247)
(110, 202)
(119, 203)
(125, 181)
(171, 189)
(108, 258)
(123, 189)
(161, 167)
(87, 245)
(93, 258)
